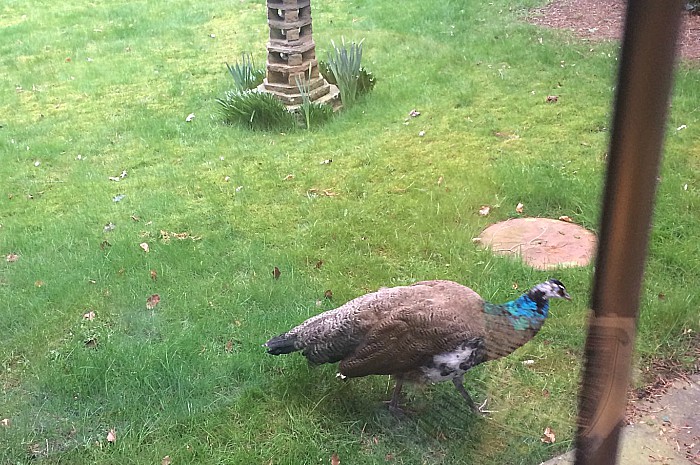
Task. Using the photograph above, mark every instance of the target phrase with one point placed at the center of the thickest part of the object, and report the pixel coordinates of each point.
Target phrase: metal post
(643, 94)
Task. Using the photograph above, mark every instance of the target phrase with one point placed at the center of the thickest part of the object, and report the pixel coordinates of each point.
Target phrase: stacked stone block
(291, 54)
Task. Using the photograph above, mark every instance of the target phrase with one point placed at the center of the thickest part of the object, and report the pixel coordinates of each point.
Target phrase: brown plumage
(431, 330)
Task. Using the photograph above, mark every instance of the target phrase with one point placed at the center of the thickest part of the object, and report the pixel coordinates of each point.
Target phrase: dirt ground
(603, 19)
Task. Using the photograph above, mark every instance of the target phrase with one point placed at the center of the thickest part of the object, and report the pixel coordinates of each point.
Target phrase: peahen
(429, 331)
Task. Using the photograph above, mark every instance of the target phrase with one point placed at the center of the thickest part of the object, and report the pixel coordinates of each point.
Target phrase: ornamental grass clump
(344, 63)
(245, 75)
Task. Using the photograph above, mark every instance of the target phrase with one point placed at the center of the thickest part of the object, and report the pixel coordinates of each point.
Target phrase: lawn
(95, 91)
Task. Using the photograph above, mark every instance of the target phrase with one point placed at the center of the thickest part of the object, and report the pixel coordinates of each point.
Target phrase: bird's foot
(481, 409)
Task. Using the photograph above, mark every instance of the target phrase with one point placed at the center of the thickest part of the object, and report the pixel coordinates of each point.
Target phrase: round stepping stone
(543, 243)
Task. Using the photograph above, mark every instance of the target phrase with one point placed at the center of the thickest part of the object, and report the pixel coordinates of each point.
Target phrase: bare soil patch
(604, 20)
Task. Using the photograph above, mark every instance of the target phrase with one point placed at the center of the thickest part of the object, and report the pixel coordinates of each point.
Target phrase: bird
(430, 331)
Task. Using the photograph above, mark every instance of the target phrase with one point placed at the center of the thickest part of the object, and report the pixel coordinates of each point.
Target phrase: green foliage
(311, 112)
(256, 110)
(245, 75)
(365, 80)
(344, 62)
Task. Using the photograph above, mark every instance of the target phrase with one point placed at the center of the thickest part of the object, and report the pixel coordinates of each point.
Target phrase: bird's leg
(394, 402)
(460, 388)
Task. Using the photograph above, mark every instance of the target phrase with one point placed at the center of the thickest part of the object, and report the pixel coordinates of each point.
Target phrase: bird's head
(550, 289)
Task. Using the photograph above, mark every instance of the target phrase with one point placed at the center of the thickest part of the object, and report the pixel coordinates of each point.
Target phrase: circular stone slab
(543, 243)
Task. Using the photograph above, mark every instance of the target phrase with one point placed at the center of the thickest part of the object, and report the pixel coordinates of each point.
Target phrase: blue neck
(525, 312)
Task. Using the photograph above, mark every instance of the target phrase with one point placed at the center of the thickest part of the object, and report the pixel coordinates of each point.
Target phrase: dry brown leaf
(154, 275)
(182, 235)
(91, 343)
(112, 436)
(566, 219)
(229, 345)
(135, 218)
(484, 210)
(152, 301)
(289, 177)
(276, 273)
(12, 257)
(144, 246)
(319, 264)
(548, 436)
(335, 460)
(328, 294)
(89, 316)
(552, 99)
(329, 193)
(519, 208)
(6, 422)
(39, 283)
(440, 180)
(166, 460)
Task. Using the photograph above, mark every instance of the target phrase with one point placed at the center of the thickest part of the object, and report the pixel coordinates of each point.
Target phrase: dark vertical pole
(643, 90)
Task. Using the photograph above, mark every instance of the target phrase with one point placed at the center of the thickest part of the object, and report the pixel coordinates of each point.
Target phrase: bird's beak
(567, 296)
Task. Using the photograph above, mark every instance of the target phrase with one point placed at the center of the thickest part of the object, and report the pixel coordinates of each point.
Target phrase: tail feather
(282, 344)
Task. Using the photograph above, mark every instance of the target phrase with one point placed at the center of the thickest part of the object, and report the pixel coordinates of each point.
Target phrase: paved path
(666, 430)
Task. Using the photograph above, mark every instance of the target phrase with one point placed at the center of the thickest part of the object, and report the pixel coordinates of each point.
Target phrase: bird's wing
(408, 325)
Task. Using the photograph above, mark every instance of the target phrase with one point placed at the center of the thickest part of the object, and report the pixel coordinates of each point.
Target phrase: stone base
(321, 92)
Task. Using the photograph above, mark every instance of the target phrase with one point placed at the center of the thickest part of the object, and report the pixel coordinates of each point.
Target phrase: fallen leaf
(328, 294)
(227, 178)
(545, 393)
(145, 247)
(288, 177)
(164, 236)
(319, 303)
(239, 188)
(118, 198)
(565, 219)
(12, 257)
(112, 436)
(105, 244)
(109, 227)
(681, 127)
(123, 174)
(519, 208)
(91, 343)
(548, 436)
(229, 346)
(476, 240)
(440, 179)
(552, 99)
(335, 460)
(484, 210)
(181, 236)
(528, 362)
(114, 178)
(6, 422)
(136, 218)
(413, 113)
(515, 286)
(152, 301)
(166, 460)
(89, 316)
(189, 118)
(39, 283)
(329, 193)
(421, 134)
(319, 264)
(326, 162)
(154, 275)
(276, 273)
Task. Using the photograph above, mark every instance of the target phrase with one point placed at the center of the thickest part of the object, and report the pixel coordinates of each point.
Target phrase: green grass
(163, 378)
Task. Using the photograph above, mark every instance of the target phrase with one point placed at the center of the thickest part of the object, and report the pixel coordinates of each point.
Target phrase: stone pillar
(291, 53)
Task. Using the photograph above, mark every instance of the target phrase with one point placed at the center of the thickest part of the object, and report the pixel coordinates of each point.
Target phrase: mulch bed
(604, 19)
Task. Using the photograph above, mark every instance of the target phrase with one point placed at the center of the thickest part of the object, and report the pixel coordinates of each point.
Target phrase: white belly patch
(448, 365)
